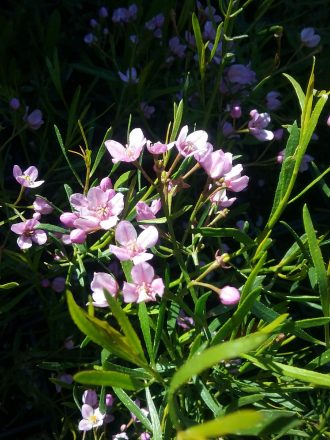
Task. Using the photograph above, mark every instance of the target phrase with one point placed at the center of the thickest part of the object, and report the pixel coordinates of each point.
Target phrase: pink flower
(98, 210)
(131, 151)
(28, 231)
(34, 119)
(92, 418)
(257, 126)
(328, 121)
(157, 147)
(68, 219)
(193, 144)
(40, 205)
(309, 38)
(234, 181)
(90, 398)
(103, 281)
(217, 163)
(229, 295)
(145, 212)
(28, 177)
(145, 286)
(133, 247)
(220, 198)
(130, 76)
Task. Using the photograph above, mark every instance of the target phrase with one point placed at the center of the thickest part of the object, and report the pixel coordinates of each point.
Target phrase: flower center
(93, 419)
(102, 211)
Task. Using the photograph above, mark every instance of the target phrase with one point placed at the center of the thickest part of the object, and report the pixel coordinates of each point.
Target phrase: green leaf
(156, 427)
(309, 186)
(236, 234)
(311, 377)
(123, 179)
(213, 356)
(103, 334)
(60, 141)
(287, 167)
(320, 269)
(178, 112)
(234, 423)
(299, 92)
(145, 327)
(126, 327)
(108, 378)
(199, 44)
(52, 228)
(10, 285)
(132, 407)
(100, 152)
(312, 322)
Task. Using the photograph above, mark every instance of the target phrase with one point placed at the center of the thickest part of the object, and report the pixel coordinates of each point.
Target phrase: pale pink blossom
(234, 181)
(145, 212)
(193, 144)
(28, 178)
(229, 295)
(97, 210)
(28, 232)
(103, 281)
(68, 219)
(40, 205)
(92, 418)
(106, 184)
(221, 199)
(217, 163)
(257, 125)
(89, 397)
(157, 147)
(145, 286)
(131, 151)
(133, 247)
(309, 38)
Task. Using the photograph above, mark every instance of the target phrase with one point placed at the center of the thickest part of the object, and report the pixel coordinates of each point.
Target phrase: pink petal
(117, 150)
(136, 138)
(39, 237)
(24, 242)
(148, 238)
(18, 228)
(109, 223)
(116, 204)
(130, 292)
(36, 183)
(17, 171)
(78, 201)
(143, 256)
(103, 280)
(86, 411)
(32, 172)
(158, 286)
(143, 273)
(96, 197)
(85, 425)
(121, 253)
(125, 233)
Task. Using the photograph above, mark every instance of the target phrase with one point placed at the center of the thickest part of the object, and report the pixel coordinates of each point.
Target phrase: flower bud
(78, 236)
(68, 218)
(229, 296)
(58, 284)
(90, 398)
(14, 103)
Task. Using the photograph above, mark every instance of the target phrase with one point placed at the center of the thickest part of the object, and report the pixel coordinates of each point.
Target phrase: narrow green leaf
(178, 112)
(216, 41)
(287, 168)
(323, 359)
(10, 285)
(123, 179)
(108, 378)
(320, 269)
(132, 407)
(299, 91)
(236, 234)
(103, 334)
(324, 187)
(310, 124)
(156, 427)
(199, 44)
(312, 322)
(100, 152)
(308, 376)
(234, 423)
(213, 355)
(309, 186)
(145, 327)
(60, 141)
(52, 228)
(126, 327)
